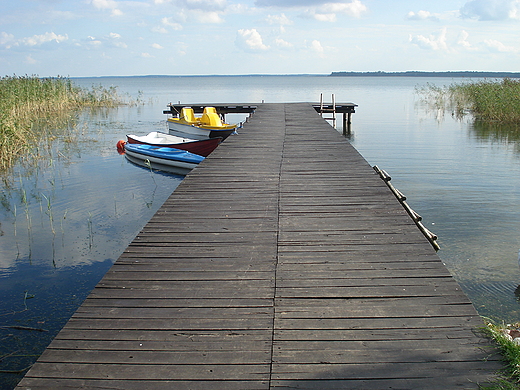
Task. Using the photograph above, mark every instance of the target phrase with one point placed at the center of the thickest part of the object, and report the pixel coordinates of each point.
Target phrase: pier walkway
(282, 261)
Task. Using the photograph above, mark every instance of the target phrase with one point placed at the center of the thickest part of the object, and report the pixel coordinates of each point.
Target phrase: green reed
(504, 335)
(27, 102)
(486, 100)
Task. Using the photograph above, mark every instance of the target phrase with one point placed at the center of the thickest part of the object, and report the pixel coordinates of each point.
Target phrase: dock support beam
(347, 122)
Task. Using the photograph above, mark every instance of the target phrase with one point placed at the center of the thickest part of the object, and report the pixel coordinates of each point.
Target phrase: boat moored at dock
(156, 138)
(162, 157)
(209, 125)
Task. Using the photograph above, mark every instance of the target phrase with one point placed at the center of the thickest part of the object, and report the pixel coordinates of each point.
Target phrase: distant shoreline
(429, 74)
(449, 74)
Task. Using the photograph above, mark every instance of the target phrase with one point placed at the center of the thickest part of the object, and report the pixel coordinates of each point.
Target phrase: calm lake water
(65, 219)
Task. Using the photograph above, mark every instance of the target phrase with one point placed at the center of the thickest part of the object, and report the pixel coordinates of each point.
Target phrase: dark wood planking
(282, 261)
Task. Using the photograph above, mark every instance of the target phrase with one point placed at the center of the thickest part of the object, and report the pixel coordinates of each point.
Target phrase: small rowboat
(162, 158)
(157, 138)
(209, 125)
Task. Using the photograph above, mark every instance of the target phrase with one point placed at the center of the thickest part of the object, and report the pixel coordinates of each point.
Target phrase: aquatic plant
(486, 100)
(28, 104)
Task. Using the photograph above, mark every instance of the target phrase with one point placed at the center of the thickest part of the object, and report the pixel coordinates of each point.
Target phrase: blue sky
(194, 37)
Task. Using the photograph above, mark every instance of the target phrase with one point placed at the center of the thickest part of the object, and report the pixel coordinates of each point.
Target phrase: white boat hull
(187, 131)
(158, 160)
(198, 133)
(157, 167)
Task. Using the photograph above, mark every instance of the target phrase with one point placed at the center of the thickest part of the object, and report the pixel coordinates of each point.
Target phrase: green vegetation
(487, 100)
(28, 102)
(506, 336)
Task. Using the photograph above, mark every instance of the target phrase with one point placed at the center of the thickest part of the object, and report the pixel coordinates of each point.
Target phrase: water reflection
(67, 212)
(494, 132)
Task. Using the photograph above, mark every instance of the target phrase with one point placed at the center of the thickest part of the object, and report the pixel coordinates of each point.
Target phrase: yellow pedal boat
(209, 125)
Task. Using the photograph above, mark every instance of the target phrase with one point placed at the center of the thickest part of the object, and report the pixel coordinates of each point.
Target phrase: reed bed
(28, 102)
(487, 100)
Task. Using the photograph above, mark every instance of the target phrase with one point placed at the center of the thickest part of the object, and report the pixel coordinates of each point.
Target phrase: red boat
(157, 138)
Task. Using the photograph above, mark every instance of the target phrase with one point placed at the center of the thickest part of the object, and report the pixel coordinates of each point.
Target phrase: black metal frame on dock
(347, 109)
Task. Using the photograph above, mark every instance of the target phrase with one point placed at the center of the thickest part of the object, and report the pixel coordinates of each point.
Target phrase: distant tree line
(469, 74)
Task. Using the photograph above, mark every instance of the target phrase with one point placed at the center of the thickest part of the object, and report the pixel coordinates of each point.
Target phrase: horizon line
(334, 73)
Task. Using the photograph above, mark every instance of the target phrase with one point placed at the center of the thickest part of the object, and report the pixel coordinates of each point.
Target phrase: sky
(75, 38)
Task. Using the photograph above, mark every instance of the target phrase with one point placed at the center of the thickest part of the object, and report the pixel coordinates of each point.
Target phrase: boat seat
(211, 119)
(188, 115)
(210, 110)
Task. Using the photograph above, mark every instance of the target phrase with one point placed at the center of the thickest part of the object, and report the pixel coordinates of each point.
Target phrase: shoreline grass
(29, 103)
(487, 100)
(507, 338)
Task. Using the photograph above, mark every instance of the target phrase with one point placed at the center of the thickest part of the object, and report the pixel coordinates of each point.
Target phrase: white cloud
(317, 47)
(157, 46)
(281, 20)
(110, 40)
(107, 5)
(498, 46)
(30, 60)
(37, 40)
(93, 42)
(7, 40)
(422, 15)
(491, 9)
(170, 23)
(283, 44)
(207, 17)
(355, 8)
(250, 40)
(202, 11)
(328, 11)
(295, 3)
(432, 42)
(323, 17)
(160, 30)
(146, 55)
(463, 40)
(202, 5)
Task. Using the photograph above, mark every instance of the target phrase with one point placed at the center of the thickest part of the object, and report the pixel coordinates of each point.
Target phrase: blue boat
(162, 158)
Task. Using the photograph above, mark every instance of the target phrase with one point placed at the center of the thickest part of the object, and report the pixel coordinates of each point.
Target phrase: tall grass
(506, 337)
(28, 101)
(486, 100)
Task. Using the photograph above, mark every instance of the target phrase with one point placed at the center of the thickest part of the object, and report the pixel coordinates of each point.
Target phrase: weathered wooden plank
(337, 335)
(174, 275)
(431, 370)
(174, 314)
(170, 323)
(438, 383)
(413, 352)
(183, 340)
(149, 357)
(369, 323)
(150, 384)
(235, 291)
(151, 372)
(378, 311)
(173, 345)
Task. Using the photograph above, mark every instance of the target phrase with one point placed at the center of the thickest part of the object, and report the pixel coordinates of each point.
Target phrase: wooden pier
(282, 261)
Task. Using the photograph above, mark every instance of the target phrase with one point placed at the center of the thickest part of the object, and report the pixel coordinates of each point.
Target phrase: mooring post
(347, 120)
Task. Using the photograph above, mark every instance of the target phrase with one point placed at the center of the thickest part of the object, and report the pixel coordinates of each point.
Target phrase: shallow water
(66, 219)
